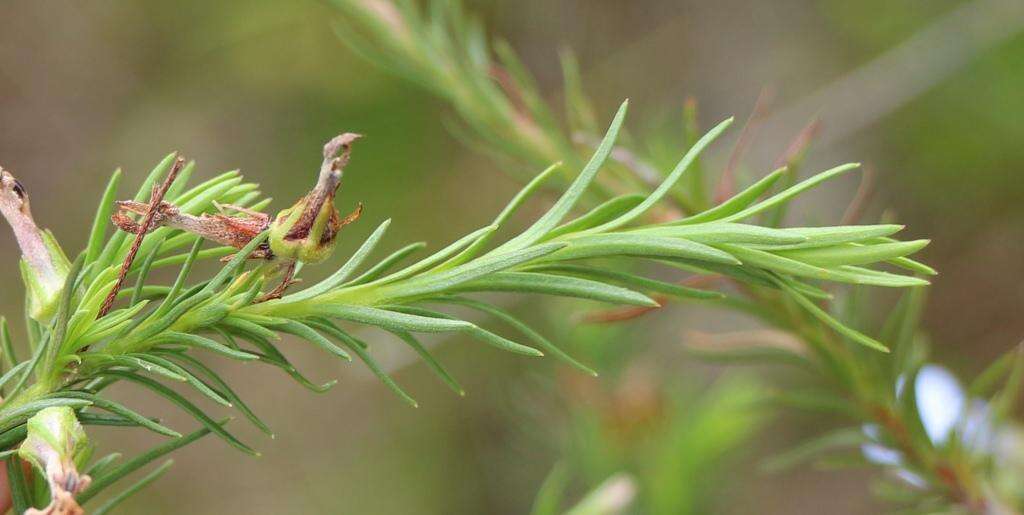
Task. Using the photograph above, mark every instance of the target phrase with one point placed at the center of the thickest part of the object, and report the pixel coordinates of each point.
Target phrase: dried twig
(865, 191)
(154, 205)
(798, 146)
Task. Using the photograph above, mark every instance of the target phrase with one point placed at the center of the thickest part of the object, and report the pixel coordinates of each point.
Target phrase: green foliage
(598, 242)
(158, 336)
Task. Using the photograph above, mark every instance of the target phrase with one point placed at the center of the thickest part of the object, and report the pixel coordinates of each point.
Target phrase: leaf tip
(649, 302)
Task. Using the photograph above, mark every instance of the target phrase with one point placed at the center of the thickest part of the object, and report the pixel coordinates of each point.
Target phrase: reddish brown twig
(286, 281)
(799, 144)
(511, 89)
(859, 204)
(727, 182)
(155, 200)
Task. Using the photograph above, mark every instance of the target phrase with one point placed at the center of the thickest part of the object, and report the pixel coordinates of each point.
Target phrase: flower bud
(56, 445)
(44, 267)
(308, 230)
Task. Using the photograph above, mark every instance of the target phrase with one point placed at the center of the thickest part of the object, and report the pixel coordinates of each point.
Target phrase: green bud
(44, 266)
(308, 230)
(56, 445)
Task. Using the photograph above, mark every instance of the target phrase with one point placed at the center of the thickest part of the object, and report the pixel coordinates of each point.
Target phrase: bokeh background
(926, 92)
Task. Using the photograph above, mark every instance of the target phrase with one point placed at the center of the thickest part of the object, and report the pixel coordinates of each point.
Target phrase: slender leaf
(122, 411)
(531, 282)
(568, 200)
(103, 481)
(135, 488)
(350, 342)
(737, 202)
(670, 181)
(187, 406)
(346, 270)
(537, 338)
(101, 221)
(605, 212)
(786, 195)
(827, 319)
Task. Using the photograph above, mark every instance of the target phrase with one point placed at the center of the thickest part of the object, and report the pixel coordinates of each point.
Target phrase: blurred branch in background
(863, 96)
(933, 469)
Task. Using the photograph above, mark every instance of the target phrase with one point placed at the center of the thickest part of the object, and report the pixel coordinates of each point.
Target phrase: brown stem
(154, 205)
(799, 145)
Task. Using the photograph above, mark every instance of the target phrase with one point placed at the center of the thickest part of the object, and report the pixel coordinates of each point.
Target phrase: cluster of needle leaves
(886, 401)
(158, 334)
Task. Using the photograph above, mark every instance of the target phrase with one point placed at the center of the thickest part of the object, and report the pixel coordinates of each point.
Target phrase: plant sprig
(161, 333)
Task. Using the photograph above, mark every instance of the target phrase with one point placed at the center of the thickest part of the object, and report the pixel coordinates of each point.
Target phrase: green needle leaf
(502, 217)
(853, 253)
(346, 270)
(187, 406)
(738, 202)
(225, 391)
(531, 282)
(358, 348)
(476, 331)
(122, 411)
(102, 220)
(387, 263)
(568, 200)
(21, 500)
(786, 195)
(135, 488)
(630, 244)
(827, 319)
(391, 320)
(634, 281)
(20, 414)
(434, 365)
(439, 256)
(537, 338)
(101, 482)
(307, 333)
(669, 182)
(720, 232)
(194, 340)
(489, 264)
(605, 212)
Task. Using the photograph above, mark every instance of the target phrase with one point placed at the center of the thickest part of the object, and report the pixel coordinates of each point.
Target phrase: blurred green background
(86, 87)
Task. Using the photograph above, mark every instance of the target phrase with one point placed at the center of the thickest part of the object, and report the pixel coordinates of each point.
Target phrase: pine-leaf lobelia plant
(943, 447)
(100, 320)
